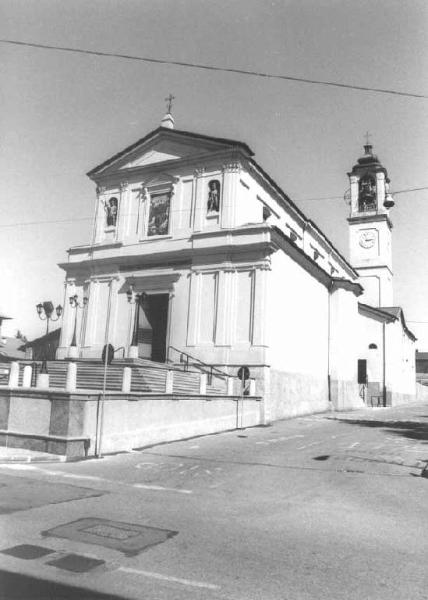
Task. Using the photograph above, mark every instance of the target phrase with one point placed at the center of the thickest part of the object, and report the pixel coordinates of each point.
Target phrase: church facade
(196, 250)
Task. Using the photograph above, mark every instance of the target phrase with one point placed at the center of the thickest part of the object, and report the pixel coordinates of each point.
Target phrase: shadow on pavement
(412, 430)
(22, 587)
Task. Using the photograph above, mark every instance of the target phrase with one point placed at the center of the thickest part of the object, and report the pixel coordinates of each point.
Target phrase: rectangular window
(158, 223)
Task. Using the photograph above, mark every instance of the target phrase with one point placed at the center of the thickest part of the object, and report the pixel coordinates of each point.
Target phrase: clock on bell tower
(370, 228)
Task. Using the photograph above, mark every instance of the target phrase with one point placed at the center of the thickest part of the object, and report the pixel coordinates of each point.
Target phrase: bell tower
(370, 228)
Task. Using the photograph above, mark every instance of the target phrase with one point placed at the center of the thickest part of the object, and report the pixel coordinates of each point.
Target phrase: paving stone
(27, 551)
(76, 563)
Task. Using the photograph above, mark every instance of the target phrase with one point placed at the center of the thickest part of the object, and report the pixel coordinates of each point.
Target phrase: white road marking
(190, 582)
(279, 439)
(160, 488)
(157, 488)
(309, 445)
(73, 476)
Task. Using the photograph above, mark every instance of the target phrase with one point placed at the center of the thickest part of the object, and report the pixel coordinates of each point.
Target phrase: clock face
(367, 239)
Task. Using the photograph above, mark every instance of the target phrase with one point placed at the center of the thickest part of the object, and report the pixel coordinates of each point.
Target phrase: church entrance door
(152, 327)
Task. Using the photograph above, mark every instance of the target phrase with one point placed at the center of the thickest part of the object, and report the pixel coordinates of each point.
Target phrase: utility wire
(212, 68)
(89, 218)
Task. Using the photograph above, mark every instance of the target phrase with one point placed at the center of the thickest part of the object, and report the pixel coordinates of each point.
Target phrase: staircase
(147, 377)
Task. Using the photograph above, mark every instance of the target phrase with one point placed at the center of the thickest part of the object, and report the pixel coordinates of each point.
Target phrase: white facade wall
(297, 338)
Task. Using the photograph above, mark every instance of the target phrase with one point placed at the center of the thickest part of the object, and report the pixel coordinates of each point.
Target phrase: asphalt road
(322, 507)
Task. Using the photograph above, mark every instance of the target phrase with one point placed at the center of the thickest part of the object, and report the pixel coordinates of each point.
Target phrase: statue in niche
(367, 193)
(213, 205)
(111, 212)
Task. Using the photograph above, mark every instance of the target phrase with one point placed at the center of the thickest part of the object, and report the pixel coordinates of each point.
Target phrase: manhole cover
(128, 538)
(112, 531)
(27, 551)
(76, 563)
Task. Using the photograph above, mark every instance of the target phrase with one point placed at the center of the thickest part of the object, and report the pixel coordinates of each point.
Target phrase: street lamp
(74, 303)
(134, 298)
(45, 311)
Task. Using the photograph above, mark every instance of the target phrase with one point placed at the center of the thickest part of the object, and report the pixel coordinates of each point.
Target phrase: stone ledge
(51, 444)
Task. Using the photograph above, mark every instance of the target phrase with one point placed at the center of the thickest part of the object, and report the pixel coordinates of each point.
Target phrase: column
(124, 217)
(354, 194)
(67, 323)
(100, 215)
(112, 315)
(193, 316)
(380, 191)
(261, 275)
(199, 205)
(229, 190)
(224, 304)
(91, 313)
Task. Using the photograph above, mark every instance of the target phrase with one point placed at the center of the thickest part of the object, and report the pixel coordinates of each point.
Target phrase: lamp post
(74, 303)
(134, 298)
(45, 311)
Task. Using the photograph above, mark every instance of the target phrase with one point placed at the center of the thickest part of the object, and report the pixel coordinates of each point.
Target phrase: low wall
(79, 423)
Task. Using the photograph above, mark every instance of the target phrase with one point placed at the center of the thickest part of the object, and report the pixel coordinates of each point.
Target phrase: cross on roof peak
(168, 101)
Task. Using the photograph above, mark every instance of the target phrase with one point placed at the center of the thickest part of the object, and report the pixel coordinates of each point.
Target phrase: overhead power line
(192, 65)
(89, 218)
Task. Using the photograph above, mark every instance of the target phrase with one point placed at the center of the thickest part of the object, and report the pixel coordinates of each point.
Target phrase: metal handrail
(197, 363)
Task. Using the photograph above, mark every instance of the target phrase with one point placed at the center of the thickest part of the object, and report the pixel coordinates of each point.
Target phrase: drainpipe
(384, 363)
(329, 289)
(102, 396)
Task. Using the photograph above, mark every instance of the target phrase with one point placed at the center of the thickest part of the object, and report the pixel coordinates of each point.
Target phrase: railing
(188, 361)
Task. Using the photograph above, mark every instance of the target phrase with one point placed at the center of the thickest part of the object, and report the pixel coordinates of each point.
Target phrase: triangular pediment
(159, 152)
(164, 145)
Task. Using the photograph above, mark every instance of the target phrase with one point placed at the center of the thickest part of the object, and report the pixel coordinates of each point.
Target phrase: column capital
(231, 167)
(199, 172)
(100, 189)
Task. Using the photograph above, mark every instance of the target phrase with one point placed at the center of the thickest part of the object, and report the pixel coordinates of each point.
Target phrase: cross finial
(169, 100)
(368, 136)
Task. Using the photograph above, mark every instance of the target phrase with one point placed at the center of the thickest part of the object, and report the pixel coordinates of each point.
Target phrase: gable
(162, 145)
(159, 152)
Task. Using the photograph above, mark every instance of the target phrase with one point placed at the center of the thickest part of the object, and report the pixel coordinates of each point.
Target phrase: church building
(196, 250)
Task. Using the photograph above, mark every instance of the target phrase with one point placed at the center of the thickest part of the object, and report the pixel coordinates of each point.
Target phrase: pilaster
(223, 323)
(228, 202)
(261, 275)
(200, 202)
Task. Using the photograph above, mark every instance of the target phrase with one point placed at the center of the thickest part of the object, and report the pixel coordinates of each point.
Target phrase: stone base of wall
(295, 394)
(65, 446)
(345, 395)
(398, 399)
(82, 424)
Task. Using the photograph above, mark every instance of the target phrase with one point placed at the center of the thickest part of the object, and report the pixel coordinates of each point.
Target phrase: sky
(62, 114)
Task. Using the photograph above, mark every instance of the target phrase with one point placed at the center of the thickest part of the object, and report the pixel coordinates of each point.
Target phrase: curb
(31, 459)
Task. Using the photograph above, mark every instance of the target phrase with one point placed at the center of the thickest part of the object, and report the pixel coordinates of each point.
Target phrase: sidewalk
(21, 455)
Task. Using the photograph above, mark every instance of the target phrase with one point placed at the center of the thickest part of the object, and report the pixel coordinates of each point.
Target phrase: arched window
(372, 347)
(367, 193)
(213, 204)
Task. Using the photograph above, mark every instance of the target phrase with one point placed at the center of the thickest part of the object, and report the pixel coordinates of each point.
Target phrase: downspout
(329, 289)
(102, 396)
(384, 363)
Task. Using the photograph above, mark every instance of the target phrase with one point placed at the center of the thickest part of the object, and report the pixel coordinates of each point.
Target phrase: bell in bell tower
(370, 228)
